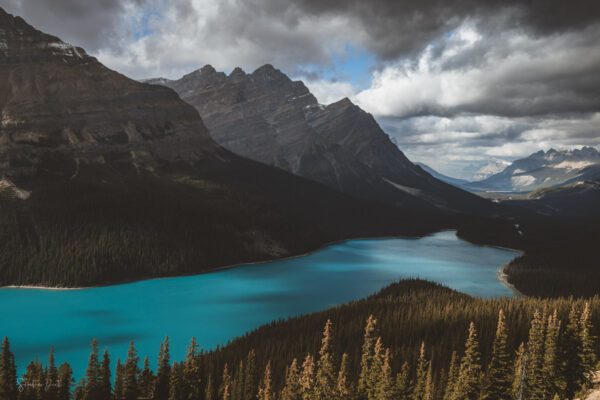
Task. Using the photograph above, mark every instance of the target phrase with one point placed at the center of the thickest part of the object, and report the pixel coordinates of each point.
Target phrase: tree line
(554, 360)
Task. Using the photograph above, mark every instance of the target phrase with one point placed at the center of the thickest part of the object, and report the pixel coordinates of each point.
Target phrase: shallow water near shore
(219, 306)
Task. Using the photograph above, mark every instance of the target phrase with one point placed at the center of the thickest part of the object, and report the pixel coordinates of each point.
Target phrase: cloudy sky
(455, 83)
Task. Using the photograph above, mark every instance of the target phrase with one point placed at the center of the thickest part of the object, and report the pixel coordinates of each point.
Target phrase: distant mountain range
(269, 118)
(539, 170)
(543, 169)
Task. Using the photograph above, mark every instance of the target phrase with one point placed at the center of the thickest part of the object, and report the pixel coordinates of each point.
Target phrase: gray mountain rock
(543, 169)
(268, 117)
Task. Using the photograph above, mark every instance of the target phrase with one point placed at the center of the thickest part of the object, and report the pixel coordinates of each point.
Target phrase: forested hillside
(413, 340)
(560, 253)
(105, 227)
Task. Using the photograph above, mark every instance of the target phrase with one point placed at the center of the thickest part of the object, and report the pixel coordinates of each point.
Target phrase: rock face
(270, 118)
(544, 169)
(60, 107)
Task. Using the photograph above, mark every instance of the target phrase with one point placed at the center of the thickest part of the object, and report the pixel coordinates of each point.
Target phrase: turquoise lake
(219, 306)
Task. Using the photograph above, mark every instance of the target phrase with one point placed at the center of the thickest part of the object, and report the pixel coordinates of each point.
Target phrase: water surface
(219, 306)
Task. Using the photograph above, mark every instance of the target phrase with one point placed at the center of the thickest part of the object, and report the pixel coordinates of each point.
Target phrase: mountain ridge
(266, 116)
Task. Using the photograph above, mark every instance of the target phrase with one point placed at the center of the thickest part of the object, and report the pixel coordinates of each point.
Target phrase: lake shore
(224, 267)
(58, 288)
(502, 276)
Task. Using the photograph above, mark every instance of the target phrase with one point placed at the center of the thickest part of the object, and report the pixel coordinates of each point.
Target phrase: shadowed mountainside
(270, 118)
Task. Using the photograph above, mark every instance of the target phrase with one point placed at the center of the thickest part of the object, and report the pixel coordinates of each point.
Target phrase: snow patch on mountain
(573, 165)
(522, 181)
(493, 167)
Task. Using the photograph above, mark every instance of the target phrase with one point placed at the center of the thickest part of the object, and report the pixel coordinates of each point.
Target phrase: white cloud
(513, 75)
(328, 92)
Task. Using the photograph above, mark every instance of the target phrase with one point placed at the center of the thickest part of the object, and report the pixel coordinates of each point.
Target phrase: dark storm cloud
(396, 28)
(91, 24)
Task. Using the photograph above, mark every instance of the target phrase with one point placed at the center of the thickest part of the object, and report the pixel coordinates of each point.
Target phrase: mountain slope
(448, 179)
(105, 179)
(544, 169)
(577, 199)
(270, 118)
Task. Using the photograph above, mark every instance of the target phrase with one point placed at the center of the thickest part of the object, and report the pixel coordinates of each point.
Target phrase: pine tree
(429, 384)
(385, 388)
(402, 386)
(209, 392)
(251, 377)
(418, 392)
(374, 377)
(519, 386)
(324, 381)
(65, 381)
(237, 386)
(553, 380)
(498, 380)
(573, 355)
(588, 342)
(130, 384)
(146, 381)
(453, 371)
(191, 371)
(265, 392)
(79, 391)
(51, 389)
(226, 392)
(307, 378)
(28, 387)
(467, 386)
(40, 380)
(366, 361)
(163, 372)
(105, 376)
(291, 389)
(92, 389)
(176, 383)
(119, 380)
(8, 372)
(535, 358)
(225, 388)
(343, 388)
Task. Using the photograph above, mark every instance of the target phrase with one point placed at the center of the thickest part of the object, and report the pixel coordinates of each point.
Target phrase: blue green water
(219, 306)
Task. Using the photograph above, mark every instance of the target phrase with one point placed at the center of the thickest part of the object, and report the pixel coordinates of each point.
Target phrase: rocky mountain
(543, 169)
(106, 179)
(61, 106)
(493, 167)
(269, 118)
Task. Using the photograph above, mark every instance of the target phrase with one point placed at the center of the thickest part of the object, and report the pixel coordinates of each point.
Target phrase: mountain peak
(268, 72)
(80, 111)
(237, 71)
(237, 75)
(265, 68)
(20, 42)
